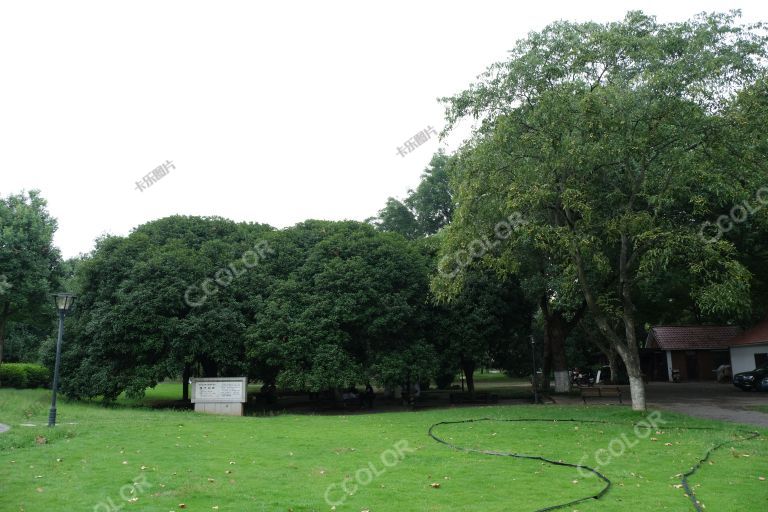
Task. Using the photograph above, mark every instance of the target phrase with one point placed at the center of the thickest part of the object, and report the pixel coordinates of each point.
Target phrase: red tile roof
(757, 335)
(691, 337)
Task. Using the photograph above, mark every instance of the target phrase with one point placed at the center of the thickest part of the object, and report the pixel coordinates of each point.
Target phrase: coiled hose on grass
(684, 481)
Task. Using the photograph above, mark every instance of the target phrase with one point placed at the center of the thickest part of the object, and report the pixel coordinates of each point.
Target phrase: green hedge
(24, 375)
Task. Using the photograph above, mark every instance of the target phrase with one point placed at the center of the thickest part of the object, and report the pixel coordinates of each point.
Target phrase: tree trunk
(608, 350)
(562, 381)
(468, 366)
(546, 364)
(627, 347)
(630, 354)
(637, 390)
(613, 364)
(185, 375)
(557, 337)
(632, 359)
(556, 331)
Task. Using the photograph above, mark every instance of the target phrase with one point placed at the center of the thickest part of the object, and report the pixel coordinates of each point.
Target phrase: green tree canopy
(425, 210)
(29, 263)
(137, 322)
(618, 141)
(348, 309)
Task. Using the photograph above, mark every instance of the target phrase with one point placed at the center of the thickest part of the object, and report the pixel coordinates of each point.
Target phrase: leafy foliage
(28, 261)
(618, 141)
(346, 311)
(132, 327)
(427, 209)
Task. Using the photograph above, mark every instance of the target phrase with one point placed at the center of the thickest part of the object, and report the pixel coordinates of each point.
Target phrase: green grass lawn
(290, 462)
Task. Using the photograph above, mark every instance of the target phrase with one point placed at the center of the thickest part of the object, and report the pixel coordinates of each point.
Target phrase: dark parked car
(756, 379)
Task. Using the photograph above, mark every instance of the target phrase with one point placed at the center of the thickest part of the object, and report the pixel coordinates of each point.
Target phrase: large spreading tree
(162, 302)
(616, 142)
(347, 307)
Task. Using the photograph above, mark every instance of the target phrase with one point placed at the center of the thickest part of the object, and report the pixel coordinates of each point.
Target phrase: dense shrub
(38, 376)
(24, 375)
(12, 375)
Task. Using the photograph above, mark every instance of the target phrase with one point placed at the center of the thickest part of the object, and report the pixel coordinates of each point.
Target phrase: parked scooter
(582, 378)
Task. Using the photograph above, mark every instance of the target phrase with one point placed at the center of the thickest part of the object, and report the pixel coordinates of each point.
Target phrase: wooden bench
(600, 393)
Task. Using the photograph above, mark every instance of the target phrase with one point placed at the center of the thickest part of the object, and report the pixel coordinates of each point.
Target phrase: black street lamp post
(63, 302)
(533, 375)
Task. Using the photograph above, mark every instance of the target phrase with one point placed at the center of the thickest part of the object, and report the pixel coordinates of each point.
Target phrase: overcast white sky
(272, 113)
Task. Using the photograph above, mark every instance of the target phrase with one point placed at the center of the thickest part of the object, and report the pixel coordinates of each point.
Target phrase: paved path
(708, 400)
(4, 428)
(718, 412)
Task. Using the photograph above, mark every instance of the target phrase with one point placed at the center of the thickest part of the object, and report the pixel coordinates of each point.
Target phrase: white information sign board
(220, 395)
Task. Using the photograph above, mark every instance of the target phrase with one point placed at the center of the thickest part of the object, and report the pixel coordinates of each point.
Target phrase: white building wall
(669, 365)
(743, 358)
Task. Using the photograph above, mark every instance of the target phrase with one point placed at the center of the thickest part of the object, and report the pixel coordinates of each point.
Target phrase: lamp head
(64, 301)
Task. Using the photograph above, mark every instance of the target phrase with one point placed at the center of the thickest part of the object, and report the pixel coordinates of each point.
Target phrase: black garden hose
(689, 491)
